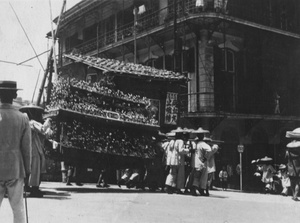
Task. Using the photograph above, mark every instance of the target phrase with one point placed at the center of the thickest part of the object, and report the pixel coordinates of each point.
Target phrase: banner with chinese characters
(171, 113)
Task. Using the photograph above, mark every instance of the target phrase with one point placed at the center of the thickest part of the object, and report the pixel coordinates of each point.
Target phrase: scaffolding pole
(50, 58)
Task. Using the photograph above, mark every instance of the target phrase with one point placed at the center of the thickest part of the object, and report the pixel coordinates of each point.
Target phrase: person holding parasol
(268, 172)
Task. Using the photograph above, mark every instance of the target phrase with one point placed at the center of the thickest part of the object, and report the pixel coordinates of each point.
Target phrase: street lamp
(240, 149)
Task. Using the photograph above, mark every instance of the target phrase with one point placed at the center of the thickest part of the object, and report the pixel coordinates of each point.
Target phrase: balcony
(253, 13)
(203, 104)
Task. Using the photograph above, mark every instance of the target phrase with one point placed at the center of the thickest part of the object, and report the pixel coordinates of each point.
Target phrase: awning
(122, 68)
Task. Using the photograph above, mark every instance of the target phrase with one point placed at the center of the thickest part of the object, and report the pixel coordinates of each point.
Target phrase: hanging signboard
(171, 113)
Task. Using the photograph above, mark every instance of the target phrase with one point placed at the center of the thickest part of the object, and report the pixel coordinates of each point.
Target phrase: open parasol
(266, 159)
(295, 134)
(31, 107)
(200, 130)
(293, 145)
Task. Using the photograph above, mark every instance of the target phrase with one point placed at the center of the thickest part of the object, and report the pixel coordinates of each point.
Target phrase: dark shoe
(179, 192)
(193, 191)
(169, 190)
(207, 193)
(186, 191)
(69, 184)
(79, 184)
(98, 185)
(201, 191)
(295, 198)
(106, 185)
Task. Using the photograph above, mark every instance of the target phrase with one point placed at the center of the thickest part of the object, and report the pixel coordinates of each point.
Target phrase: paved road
(63, 204)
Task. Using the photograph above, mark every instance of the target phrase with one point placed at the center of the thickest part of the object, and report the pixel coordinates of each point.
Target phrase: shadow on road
(103, 190)
(53, 195)
(67, 190)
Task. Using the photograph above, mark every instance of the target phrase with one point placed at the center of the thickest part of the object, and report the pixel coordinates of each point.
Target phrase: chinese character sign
(171, 114)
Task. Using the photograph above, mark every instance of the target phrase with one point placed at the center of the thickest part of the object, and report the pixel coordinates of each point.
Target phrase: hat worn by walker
(9, 85)
(200, 130)
(282, 167)
(178, 130)
(170, 134)
(31, 107)
(293, 145)
(266, 159)
(186, 130)
(293, 134)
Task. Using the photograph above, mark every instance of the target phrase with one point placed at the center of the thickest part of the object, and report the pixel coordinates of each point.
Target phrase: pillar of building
(205, 73)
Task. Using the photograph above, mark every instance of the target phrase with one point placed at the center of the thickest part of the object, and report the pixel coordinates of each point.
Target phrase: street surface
(64, 204)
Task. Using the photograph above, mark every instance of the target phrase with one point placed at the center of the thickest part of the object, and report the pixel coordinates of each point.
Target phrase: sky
(34, 15)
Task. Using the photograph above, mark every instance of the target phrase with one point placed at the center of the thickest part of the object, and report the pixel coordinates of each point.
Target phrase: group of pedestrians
(190, 161)
(293, 164)
(287, 179)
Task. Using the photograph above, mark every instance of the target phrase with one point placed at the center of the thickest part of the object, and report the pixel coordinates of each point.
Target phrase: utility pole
(176, 52)
(135, 11)
(50, 58)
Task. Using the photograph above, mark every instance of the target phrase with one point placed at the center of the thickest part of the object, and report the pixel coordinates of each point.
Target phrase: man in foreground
(15, 150)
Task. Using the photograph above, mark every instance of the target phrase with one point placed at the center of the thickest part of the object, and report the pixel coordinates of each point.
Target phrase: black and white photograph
(149, 111)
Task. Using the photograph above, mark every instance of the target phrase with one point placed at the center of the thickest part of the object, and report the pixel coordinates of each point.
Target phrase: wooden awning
(128, 69)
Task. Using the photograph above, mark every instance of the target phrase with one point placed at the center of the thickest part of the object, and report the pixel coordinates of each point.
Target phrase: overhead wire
(26, 35)
(4, 61)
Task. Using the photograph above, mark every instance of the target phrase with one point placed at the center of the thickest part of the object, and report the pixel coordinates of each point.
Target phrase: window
(150, 62)
(90, 32)
(72, 41)
(228, 61)
(91, 78)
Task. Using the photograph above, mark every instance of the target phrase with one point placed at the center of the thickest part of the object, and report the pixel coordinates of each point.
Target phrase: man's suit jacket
(15, 143)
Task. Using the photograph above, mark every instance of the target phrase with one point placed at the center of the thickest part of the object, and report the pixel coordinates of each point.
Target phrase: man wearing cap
(15, 150)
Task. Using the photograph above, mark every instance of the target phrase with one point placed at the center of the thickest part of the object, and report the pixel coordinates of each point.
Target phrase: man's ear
(15, 95)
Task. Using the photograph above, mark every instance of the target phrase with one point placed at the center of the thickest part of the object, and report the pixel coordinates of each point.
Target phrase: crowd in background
(281, 179)
(68, 94)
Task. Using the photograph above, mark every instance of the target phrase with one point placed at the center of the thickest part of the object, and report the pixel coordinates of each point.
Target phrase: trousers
(176, 177)
(14, 189)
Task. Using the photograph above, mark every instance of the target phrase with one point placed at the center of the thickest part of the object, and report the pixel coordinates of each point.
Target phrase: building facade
(240, 56)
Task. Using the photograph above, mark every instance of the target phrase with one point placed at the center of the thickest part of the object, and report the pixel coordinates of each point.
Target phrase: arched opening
(228, 155)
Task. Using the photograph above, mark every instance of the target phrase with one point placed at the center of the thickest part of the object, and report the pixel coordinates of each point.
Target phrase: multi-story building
(241, 58)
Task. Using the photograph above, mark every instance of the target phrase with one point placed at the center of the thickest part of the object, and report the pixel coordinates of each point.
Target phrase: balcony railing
(253, 11)
(205, 103)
